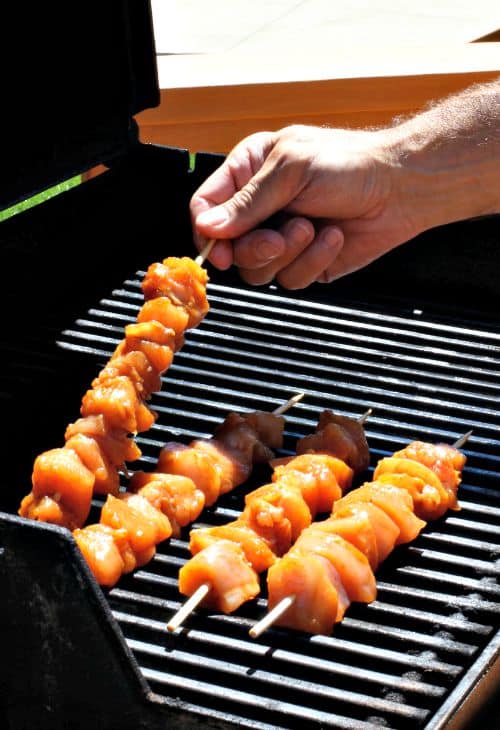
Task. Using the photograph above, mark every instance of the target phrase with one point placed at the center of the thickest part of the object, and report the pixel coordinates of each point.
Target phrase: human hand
(337, 188)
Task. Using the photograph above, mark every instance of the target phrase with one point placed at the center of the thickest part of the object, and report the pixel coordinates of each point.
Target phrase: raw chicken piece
(176, 496)
(332, 476)
(352, 566)
(99, 548)
(115, 443)
(171, 316)
(145, 525)
(230, 469)
(190, 462)
(118, 402)
(396, 503)
(445, 461)
(356, 529)
(224, 567)
(278, 513)
(386, 531)
(320, 600)
(47, 509)
(153, 339)
(106, 479)
(430, 498)
(256, 549)
(183, 281)
(136, 366)
(61, 475)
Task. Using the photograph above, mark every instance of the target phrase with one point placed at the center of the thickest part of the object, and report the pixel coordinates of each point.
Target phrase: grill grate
(395, 662)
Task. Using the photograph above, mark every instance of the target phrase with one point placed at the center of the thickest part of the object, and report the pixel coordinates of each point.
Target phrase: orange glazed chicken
(276, 514)
(333, 562)
(115, 409)
(186, 479)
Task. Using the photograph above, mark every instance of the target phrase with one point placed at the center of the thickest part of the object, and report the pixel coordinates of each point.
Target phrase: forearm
(448, 158)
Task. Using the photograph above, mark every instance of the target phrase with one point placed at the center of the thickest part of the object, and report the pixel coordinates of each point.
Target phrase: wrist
(445, 165)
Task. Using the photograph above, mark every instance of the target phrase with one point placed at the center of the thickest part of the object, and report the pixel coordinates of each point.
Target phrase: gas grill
(415, 337)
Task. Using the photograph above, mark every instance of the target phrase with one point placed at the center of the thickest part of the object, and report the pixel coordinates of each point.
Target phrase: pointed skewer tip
(362, 419)
(462, 440)
(289, 404)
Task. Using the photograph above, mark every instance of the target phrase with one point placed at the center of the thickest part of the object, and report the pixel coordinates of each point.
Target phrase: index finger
(237, 169)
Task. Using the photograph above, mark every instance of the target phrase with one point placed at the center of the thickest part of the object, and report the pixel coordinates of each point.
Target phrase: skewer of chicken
(273, 517)
(159, 503)
(333, 562)
(114, 409)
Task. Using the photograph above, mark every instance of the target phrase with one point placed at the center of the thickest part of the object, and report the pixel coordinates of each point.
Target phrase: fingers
(294, 236)
(260, 177)
(306, 257)
(317, 263)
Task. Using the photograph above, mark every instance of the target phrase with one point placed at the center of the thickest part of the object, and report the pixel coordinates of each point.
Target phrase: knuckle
(243, 200)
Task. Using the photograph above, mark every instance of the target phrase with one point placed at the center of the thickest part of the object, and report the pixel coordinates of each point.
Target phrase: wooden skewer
(272, 616)
(205, 252)
(362, 419)
(289, 404)
(462, 440)
(269, 619)
(202, 591)
(187, 608)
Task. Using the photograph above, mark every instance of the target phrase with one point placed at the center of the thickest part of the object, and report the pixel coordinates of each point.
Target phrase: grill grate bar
(249, 299)
(181, 658)
(460, 541)
(292, 659)
(472, 603)
(206, 333)
(477, 585)
(260, 705)
(459, 623)
(438, 643)
(453, 561)
(394, 347)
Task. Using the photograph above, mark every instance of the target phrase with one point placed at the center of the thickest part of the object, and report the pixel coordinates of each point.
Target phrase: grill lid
(77, 73)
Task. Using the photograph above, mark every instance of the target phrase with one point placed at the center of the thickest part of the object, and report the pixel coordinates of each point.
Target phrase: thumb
(262, 196)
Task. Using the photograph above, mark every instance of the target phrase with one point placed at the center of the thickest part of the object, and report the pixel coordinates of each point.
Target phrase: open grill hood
(415, 336)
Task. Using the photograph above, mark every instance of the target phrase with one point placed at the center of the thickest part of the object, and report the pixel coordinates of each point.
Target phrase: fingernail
(301, 232)
(213, 217)
(267, 250)
(331, 237)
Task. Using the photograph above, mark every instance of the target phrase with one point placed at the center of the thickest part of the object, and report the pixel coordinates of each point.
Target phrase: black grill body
(415, 336)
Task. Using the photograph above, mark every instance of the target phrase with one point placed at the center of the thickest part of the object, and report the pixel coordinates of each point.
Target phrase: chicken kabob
(186, 479)
(226, 561)
(115, 409)
(333, 561)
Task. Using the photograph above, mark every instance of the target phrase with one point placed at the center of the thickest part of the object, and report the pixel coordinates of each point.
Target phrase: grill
(425, 653)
